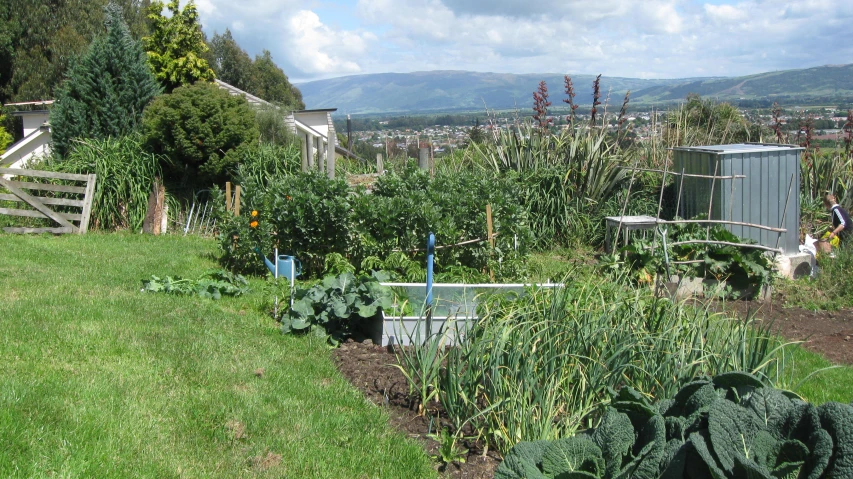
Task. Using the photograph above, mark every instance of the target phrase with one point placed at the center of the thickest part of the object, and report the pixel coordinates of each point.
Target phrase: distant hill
(445, 91)
(453, 90)
(825, 81)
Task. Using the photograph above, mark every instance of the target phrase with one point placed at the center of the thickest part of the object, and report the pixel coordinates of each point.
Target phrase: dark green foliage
(313, 216)
(200, 128)
(213, 284)
(40, 38)
(744, 269)
(106, 90)
(738, 429)
(230, 62)
(339, 306)
(269, 82)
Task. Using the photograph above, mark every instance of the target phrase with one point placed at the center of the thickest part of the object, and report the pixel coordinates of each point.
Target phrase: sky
(315, 39)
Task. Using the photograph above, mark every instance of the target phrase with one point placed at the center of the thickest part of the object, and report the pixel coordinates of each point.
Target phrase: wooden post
(228, 196)
(87, 204)
(380, 165)
(237, 201)
(423, 158)
(154, 214)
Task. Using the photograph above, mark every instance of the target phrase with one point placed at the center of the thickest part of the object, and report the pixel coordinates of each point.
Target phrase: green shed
(768, 171)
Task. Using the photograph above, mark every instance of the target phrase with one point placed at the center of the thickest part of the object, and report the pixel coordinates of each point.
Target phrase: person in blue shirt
(842, 225)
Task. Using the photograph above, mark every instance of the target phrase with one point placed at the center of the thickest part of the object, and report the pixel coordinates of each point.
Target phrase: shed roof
(739, 148)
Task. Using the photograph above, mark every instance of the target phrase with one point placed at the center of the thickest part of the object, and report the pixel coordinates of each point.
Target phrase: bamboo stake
(711, 202)
(489, 231)
(724, 222)
(680, 187)
(690, 175)
(726, 243)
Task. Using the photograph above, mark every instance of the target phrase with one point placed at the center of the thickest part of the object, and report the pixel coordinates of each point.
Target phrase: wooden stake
(228, 196)
(237, 201)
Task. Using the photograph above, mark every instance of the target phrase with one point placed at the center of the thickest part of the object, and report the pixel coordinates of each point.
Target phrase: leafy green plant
(728, 426)
(541, 366)
(449, 450)
(339, 306)
(420, 363)
(125, 175)
(213, 284)
(742, 268)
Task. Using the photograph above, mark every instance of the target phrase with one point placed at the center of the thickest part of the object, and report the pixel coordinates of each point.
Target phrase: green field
(100, 380)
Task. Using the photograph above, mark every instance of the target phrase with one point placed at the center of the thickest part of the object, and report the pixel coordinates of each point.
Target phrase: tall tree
(270, 83)
(230, 62)
(40, 38)
(176, 47)
(106, 90)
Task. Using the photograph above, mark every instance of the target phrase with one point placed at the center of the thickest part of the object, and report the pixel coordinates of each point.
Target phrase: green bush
(125, 172)
(731, 426)
(339, 306)
(311, 217)
(200, 128)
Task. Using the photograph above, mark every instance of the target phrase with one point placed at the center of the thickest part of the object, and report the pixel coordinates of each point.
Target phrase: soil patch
(828, 333)
(370, 368)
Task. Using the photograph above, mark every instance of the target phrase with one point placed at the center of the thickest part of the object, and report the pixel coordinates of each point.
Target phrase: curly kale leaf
(573, 457)
(837, 419)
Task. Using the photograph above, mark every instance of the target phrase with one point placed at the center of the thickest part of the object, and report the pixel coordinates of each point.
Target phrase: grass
(827, 385)
(101, 380)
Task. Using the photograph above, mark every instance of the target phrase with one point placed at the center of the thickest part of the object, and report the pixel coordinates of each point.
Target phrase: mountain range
(447, 91)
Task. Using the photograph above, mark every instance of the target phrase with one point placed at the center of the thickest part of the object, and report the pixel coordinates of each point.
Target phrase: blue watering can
(285, 266)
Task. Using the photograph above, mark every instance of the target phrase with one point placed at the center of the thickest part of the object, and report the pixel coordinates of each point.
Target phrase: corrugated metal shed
(759, 198)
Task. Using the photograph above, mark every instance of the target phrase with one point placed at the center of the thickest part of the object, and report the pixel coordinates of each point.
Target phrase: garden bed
(828, 333)
(369, 368)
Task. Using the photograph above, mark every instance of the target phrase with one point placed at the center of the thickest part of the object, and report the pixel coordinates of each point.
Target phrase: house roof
(236, 91)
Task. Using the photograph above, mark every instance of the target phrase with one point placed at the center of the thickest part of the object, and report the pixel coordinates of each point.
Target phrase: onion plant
(544, 366)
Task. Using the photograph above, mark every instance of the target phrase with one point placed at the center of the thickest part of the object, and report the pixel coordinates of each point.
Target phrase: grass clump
(830, 289)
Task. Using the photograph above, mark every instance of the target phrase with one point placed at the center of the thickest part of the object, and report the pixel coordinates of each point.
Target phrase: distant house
(37, 138)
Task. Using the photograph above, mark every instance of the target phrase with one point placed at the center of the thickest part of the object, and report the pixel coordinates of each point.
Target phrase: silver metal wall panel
(759, 198)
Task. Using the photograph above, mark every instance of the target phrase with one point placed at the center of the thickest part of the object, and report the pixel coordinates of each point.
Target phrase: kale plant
(730, 426)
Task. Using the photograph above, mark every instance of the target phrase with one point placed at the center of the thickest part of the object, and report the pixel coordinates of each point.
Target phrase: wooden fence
(41, 206)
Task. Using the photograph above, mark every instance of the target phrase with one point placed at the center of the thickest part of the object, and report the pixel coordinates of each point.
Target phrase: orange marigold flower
(253, 224)
(254, 213)
(288, 197)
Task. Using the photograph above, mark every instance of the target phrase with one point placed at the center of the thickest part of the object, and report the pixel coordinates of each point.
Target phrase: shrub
(125, 175)
(106, 90)
(200, 128)
(731, 426)
(311, 217)
(339, 306)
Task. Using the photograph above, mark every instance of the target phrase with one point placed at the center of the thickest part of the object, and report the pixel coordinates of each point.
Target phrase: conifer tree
(106, 90)
(176, 47)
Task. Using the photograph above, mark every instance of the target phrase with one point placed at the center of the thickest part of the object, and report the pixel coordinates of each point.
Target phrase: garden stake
(430, 263)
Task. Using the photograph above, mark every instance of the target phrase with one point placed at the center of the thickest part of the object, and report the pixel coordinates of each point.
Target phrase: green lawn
(100, 380)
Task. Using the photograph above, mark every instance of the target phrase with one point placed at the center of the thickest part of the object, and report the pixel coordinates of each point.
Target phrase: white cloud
(320, 49)
(651, 38)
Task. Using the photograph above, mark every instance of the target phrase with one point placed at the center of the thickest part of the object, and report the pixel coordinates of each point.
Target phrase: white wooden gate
(40, 206)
